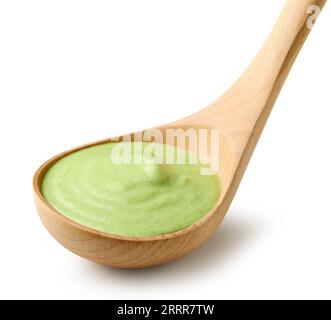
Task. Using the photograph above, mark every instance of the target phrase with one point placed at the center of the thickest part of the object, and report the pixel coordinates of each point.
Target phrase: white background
(77, 71)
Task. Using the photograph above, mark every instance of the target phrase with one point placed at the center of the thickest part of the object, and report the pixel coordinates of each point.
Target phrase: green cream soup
(144, 196)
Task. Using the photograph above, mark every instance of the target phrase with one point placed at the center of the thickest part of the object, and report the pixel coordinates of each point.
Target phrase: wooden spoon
(240, 115)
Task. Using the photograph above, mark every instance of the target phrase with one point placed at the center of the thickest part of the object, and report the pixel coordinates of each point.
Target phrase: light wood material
(240, 115)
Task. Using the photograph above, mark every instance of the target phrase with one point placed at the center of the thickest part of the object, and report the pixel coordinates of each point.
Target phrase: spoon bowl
(123, 251)
(239, 116)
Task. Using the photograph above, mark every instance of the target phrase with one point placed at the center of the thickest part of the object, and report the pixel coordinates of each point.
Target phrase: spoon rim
(42, 170)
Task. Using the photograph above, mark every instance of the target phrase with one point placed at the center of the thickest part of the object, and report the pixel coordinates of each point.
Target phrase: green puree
(92, 189)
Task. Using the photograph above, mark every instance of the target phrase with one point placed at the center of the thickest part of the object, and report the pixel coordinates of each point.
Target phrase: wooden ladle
(239, 115)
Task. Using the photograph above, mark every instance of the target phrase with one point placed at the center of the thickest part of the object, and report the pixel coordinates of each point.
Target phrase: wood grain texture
(240, 115)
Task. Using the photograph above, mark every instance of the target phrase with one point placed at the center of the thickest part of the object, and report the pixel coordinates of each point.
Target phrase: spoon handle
(244, 109)
(254, 94)
(271, 66)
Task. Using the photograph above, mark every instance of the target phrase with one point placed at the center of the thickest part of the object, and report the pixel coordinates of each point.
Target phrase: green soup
(140, 199)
